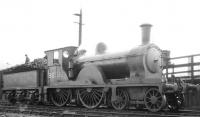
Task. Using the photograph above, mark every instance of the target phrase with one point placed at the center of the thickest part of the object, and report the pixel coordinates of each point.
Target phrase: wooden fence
(186, 68)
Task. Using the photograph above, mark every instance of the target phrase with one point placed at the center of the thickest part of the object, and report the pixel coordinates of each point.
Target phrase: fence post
(1, 84)
(192, 69)
(167, 70)
(198, 95)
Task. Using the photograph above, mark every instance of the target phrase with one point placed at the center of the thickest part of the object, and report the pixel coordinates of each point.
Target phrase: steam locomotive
(132, 78)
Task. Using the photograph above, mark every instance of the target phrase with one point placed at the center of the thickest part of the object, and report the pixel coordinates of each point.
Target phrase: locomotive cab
(60, 64)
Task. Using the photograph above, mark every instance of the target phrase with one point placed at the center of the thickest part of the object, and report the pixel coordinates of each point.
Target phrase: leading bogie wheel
(154, 100)
(91, 97)
(60, 97)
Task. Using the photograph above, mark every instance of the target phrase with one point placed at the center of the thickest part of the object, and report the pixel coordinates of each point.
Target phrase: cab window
(55, 57)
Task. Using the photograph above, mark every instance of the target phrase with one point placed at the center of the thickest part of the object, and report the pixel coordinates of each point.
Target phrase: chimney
(146, 29)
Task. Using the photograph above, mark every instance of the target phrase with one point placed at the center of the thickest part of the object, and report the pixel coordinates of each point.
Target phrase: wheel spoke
(157, 94)
(149, 95)
(153, 93)
(61, 97)
(95, 98)
(98, 94)
(159, 101)
(92, 98)
(153, 100)
(122, 100)
(87, 98)
(84, 96)
(160, 97)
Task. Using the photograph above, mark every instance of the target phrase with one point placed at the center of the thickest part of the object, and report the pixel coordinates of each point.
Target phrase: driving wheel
(61, 97)
(91, 97)
(121, 101)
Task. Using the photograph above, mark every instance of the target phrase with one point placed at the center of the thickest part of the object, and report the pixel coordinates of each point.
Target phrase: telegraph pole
(80, 26)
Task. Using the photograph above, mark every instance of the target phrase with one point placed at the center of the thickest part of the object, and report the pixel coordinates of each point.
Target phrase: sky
(34, 26)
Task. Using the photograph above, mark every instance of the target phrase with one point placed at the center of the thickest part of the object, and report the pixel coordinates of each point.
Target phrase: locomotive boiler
(139, 64)
(131, 78)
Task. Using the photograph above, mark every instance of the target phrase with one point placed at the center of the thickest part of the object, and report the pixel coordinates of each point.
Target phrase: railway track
(83, 112)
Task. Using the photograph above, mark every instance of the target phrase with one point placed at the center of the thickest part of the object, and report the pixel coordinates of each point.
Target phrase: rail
(46, 111)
